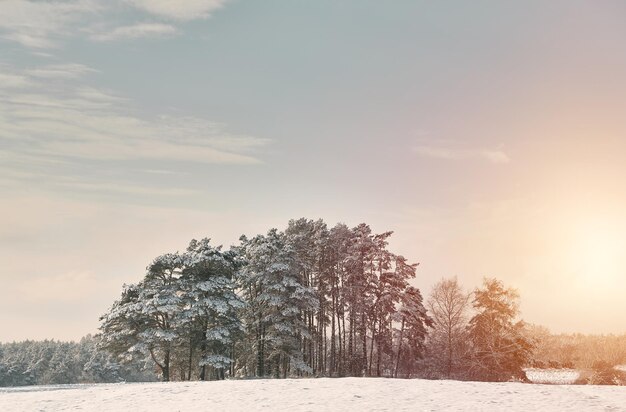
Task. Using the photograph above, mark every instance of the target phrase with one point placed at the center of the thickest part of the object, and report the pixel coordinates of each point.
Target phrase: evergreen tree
(146, 318)
(276, 300)
(499, 347)
(211, 305)
(414, 324)
(309, 241)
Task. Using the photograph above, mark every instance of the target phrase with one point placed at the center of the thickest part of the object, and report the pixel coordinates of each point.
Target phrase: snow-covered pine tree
(276, 300)
(210, 308)
(146, 318)
(309, 241)
(358, 267)
(414, 324)
(336, 255)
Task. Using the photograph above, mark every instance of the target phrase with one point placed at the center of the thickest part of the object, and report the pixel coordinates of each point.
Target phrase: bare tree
(448, 305)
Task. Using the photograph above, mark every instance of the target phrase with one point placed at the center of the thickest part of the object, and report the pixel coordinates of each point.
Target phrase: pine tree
(276, 300)
(146, 319)
(414, 324)
(309, 241)
(499, 347)
(211, 305)
(358, 266)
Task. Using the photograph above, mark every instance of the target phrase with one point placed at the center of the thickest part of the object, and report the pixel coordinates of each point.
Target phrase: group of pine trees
(310, 301)
(307, 301)
(51, 362)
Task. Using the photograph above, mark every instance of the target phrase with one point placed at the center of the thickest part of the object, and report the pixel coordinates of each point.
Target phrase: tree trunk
(449, 354)
(351, 343)
(333, 345)
(363, 342)
(369, 367)
(395, 372)
(260, 372)
(189, 365)
(166, 366)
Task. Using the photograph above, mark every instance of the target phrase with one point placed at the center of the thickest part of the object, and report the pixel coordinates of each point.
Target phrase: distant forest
(308, 301)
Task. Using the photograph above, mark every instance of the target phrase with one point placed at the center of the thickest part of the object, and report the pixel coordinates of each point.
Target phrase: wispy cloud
(135, 31)
(447, 153)
(41, 24)
(60, 71)
(179, 10)
(126, 189)
(12, 81)
(46, 24)
(79, 125)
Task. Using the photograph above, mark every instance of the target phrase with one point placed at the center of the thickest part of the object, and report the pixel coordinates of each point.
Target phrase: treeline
(576, 351)
(599, 359)
(307, 301)
(52, 362)
(311, 301)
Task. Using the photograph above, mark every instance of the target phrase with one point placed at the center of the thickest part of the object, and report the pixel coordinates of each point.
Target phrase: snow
(324, 394)
(557, 376)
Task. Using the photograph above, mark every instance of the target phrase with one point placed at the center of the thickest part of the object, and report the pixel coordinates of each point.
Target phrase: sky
(489, 136)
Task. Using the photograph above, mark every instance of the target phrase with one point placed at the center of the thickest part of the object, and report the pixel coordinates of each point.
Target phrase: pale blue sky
(488, 135)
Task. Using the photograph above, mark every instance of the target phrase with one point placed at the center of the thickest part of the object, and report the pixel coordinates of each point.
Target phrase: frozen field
(556, 376)
(346, 394)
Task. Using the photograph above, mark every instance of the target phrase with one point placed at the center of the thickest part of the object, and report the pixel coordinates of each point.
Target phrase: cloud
(8, 80)
(139, 30)
(445, 153)
(179, 10)
(60, 71)
(45, 24)
(52, 130)
(495, 156)
(127, 189)
(96, 95)
(41, 24)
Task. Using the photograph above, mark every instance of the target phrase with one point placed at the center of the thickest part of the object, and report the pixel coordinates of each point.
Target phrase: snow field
(324, 394)
(552, 376)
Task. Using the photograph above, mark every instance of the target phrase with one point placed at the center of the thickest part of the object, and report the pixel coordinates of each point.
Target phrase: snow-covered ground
(345, 394)
(556, 376)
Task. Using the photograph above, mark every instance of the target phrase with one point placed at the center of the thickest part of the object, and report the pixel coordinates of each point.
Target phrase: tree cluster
(476, 335)
(600, 359)
(53, 362)
(576, 351)
(306, 301)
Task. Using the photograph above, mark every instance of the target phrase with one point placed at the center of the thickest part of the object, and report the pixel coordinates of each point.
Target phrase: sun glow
(599, 246)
